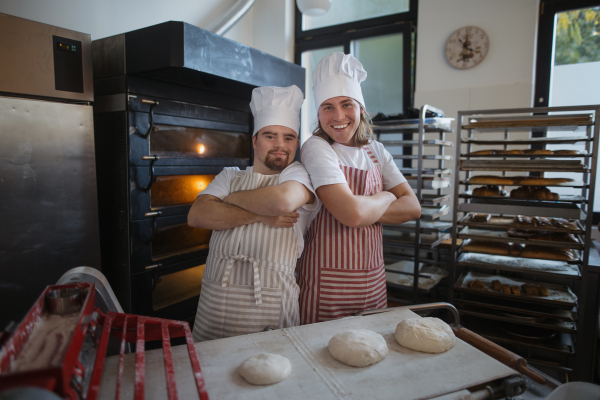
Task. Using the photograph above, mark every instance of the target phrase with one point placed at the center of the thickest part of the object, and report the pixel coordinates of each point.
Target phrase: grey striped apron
(248, 283)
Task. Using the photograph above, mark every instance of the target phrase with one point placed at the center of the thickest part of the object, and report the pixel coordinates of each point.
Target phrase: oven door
(164, 294)
(168, 190)
(167, 243)
(174, 140)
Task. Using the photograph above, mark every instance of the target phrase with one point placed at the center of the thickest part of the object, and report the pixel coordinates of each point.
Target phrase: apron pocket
(232, 310)
(344, 292)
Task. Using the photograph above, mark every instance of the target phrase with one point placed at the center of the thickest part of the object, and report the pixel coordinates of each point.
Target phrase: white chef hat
(272, 105)
(338, 74)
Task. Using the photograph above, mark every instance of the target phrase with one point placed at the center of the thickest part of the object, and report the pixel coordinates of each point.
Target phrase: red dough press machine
(58, 350)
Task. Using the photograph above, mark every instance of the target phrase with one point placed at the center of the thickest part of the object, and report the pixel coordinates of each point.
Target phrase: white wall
(268, 25)
(505, 76)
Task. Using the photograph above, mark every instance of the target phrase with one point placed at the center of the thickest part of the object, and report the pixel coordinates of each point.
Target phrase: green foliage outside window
(578, 36)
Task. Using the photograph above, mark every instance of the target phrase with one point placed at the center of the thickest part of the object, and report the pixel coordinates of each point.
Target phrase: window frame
(343, 34)
(545, 45)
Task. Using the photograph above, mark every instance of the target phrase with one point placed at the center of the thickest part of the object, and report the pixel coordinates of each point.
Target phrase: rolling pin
(506, 357)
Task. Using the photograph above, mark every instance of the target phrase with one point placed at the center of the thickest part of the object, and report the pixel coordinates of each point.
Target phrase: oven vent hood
(184, 54)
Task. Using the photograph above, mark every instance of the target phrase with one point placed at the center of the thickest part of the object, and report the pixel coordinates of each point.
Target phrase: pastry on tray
(491, 180)
(502, 249)
(538, 151)
(480, 217)
(543, 222)
(566, 152)
(489, 191)
(549, 253)
(532, 192)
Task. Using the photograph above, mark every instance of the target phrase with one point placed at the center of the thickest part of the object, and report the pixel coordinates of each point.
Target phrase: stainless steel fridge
(48, 196)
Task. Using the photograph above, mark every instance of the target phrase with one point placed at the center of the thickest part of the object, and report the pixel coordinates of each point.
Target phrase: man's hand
(281, 221)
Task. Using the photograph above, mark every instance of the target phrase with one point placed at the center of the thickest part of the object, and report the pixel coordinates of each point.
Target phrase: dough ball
(429, 335)
(265, 369)
(358, 348)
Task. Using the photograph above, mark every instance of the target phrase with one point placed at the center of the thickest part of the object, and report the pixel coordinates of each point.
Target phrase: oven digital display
(176, 239)
(174, 190)
(180, 141)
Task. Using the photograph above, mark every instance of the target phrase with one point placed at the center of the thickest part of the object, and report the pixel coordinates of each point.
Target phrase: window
(381, 34)
(568, 59)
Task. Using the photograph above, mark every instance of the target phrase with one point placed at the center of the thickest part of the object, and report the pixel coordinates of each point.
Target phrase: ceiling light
(313, 8)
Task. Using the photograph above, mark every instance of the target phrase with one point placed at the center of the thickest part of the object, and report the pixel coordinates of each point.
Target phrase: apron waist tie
(232, 259)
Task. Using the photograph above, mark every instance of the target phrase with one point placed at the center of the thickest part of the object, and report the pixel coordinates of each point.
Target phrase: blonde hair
(362, 136)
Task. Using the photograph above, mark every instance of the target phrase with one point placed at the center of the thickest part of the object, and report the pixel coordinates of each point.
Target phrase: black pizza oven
(171, 111)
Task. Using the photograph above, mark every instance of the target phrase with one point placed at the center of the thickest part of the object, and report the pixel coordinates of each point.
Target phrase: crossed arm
(395, 206)
(272, 205)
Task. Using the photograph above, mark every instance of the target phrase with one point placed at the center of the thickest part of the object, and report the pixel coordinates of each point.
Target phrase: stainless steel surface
(64, 301)
(49, 207)
(27, 61)
(105, 297)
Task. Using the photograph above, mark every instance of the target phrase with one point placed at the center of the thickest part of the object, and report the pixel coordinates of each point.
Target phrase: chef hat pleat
(338, 74)
(272, 105)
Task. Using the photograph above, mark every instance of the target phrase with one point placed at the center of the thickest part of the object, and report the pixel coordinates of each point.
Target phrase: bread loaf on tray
(489, 191)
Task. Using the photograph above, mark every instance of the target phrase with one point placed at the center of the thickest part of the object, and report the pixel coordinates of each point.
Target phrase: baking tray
(575, 261)
(562, 343)
(438, 183)
(424, 157)
(315, 374)
(429, 124)
(575, 184)
(433, 199)
(523, 165)
(390, 258)
(560, 295)
(502, 237)
(534, 310)
(426, 171)
(529, 265)
(536, 156)
(536, 140)
(503, 316)
(434, 212)
(507, 222)
(435, 142)
(428, 240)
(561, 197)
(425, 226)
(546, 209)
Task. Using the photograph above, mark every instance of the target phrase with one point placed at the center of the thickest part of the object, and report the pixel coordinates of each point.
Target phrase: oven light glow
(201, 149)
(200, 185)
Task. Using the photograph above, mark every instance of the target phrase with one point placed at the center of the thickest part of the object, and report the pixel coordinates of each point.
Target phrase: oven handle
(152, 214)
(152, 160)
(155, 278)
(150, 118)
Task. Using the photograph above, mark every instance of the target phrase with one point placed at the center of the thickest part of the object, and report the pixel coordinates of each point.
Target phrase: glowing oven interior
(175, 190)
(181, 141)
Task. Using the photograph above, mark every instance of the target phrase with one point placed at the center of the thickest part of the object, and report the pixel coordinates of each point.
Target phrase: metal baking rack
(418, 241)
(488, 311)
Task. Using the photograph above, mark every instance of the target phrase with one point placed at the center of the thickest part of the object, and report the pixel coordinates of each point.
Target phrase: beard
(276, 164)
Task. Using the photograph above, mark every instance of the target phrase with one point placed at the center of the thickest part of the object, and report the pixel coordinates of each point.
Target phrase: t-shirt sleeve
(220, 186)
(392, 176)
(321, 162)
(297, 172)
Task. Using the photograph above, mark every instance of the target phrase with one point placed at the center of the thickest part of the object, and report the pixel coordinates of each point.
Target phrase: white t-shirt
(321, 160)
(220, 187)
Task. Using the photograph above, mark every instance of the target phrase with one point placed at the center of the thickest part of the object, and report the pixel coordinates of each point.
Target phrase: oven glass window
(174, 190)
(180, 141)
(172, 240)
(177, 287)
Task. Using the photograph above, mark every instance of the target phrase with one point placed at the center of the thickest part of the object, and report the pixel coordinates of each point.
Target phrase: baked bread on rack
(489, 191)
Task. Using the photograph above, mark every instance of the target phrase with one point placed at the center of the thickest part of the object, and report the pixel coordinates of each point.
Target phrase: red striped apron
(341, 271)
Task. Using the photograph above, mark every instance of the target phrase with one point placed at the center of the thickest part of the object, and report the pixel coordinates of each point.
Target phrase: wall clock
(467, 47)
